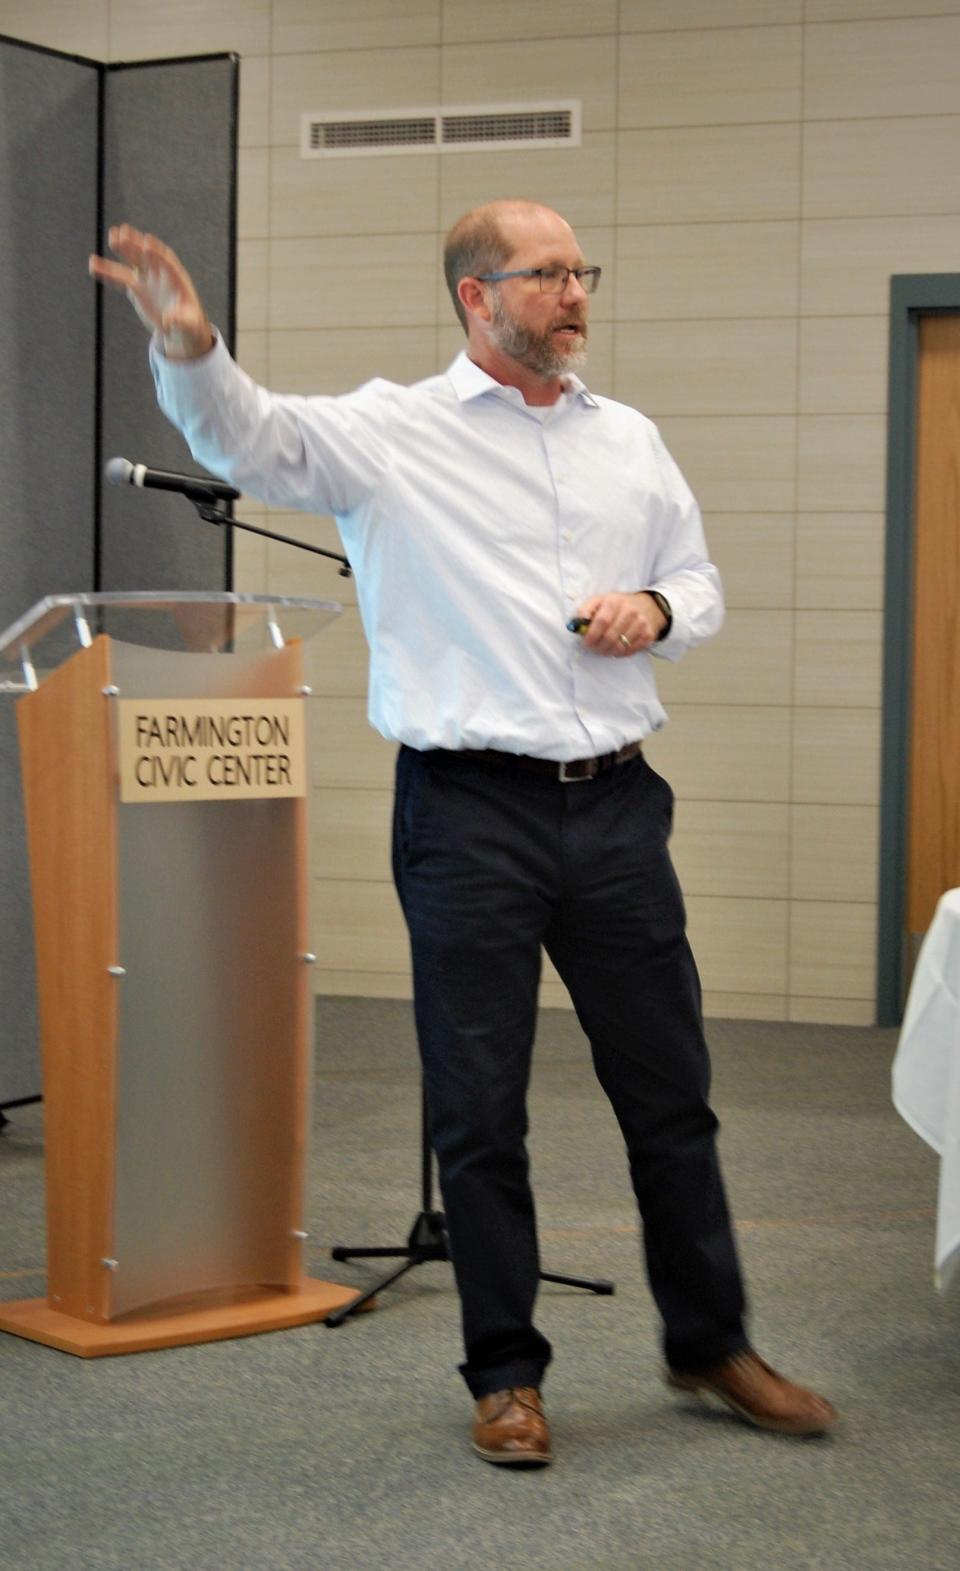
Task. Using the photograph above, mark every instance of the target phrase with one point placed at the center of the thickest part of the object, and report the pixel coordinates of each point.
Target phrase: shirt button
(566, 535)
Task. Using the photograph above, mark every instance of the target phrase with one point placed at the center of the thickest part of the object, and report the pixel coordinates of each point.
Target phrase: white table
(926, 1070)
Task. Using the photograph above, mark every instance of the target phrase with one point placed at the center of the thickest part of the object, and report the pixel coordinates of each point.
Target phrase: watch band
(663, 605)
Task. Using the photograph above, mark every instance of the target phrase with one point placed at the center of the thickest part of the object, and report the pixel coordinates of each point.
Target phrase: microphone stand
(427, 1239)
(206, 505)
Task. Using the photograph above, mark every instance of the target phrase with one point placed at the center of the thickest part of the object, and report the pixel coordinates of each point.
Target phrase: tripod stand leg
(590, 1284)
(428, 1240)
(344, 1252)
(339, 1315)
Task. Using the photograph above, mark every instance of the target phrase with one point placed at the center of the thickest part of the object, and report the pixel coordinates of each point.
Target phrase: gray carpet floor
(335, 1450)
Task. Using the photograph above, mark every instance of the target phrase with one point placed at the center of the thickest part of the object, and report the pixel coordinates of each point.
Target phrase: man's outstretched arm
(324, 455)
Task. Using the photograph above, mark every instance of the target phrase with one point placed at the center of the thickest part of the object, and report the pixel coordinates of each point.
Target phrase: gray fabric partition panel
(83, 146)
(170, 169)
(48, 197)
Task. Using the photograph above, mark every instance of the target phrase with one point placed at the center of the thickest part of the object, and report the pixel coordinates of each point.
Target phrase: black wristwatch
(663, 606)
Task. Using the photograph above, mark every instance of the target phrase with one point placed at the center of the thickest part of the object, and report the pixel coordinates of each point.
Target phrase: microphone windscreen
(117, 471)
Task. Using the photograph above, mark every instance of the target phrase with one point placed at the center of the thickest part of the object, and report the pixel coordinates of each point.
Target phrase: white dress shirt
(476, 528)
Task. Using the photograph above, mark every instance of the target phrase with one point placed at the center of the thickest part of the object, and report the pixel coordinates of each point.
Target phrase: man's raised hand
(160, 289)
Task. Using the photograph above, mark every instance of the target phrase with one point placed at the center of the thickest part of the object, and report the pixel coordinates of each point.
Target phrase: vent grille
(531, 125)
(368, 136)
(448, 129)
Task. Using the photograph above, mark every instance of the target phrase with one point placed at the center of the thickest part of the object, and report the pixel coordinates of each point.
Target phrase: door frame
(912, 295)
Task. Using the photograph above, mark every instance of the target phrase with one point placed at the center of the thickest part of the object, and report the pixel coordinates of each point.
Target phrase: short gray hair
(476, 244)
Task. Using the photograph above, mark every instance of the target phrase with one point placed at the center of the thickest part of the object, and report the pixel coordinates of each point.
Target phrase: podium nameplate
(211, 750)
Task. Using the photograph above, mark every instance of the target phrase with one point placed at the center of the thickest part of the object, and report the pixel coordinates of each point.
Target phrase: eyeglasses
(553, 280)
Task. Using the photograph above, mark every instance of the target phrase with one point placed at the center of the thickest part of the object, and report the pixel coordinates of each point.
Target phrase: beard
(542, 353)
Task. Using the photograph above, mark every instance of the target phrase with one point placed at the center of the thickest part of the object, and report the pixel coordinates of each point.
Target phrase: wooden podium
(165, 795)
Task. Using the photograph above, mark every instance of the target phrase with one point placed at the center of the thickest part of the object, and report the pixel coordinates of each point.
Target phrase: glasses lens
(553, 280)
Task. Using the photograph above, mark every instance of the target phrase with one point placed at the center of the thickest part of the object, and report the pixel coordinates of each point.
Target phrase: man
(522, 548)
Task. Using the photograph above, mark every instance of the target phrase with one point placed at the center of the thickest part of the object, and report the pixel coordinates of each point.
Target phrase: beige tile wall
(752, 172)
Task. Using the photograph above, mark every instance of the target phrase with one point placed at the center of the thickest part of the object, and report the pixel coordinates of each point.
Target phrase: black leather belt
(573, 769)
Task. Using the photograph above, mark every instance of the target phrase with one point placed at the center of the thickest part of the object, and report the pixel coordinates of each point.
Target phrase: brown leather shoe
(760, 1395)
(509, 1426)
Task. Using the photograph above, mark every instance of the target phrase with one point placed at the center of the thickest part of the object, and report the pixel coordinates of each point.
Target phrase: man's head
(534, 323)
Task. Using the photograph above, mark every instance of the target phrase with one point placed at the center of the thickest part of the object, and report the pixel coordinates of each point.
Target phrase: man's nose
(574, 291)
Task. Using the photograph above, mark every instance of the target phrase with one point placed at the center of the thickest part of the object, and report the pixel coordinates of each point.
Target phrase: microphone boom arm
(212, 514)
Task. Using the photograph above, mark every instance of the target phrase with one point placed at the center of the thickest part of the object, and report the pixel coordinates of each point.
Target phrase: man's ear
(473, 298)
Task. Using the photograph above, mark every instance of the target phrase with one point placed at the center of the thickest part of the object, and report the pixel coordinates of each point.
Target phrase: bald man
(523, 550)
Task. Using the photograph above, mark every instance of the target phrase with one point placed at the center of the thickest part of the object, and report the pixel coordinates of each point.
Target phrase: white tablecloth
(926, 1070)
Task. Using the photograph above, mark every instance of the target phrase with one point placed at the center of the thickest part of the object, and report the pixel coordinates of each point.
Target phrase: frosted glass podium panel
(212, 941)
(164, 761)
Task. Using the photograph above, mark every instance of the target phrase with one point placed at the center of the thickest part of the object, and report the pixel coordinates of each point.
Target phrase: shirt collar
(469, 381)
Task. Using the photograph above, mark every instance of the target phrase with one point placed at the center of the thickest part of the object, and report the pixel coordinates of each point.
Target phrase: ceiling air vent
(447, 129)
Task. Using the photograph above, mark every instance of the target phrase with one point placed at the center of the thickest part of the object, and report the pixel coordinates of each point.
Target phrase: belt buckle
(587, 767)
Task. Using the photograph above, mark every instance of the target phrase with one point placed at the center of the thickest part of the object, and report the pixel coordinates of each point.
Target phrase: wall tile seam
(806, 511)
(856, 804)
(734, 318)
(773, 121)
(707, 316)
(448, 45)
(795, 543)
(716, 27)
(746, 124)
(427, 46)
(628, 319)
(444, 41)
(799, 999)
(873, 21)
(810, 218)
(321, 787)
(725, 899)
(367, 970)
(832, 316)
(894, 118)
(803, 220)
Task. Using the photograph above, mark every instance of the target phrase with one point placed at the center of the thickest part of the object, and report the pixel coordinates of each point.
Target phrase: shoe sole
(514, 1458)
(706, 1392)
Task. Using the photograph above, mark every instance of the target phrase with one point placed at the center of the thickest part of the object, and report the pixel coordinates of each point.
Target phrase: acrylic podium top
(55, 628)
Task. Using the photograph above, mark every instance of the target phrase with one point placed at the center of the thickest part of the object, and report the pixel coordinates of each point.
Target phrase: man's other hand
(621, 624)
(160, 289)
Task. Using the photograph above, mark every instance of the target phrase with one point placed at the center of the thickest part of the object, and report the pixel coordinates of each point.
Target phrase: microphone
(199, 488)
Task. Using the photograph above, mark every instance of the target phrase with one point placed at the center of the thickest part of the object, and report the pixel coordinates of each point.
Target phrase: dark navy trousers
(492, 865)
